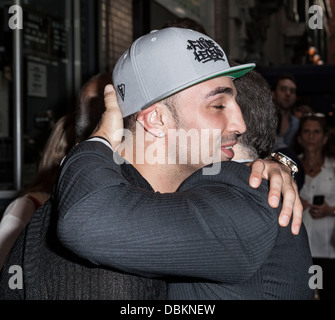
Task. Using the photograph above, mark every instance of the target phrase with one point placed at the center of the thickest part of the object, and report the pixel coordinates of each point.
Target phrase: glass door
(37, 83)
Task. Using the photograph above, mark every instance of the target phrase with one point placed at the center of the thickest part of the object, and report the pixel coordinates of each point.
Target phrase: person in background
(318, 195)
(20, 211)
(284, 94)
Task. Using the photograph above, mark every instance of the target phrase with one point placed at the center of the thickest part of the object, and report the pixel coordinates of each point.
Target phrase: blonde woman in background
(19, 212)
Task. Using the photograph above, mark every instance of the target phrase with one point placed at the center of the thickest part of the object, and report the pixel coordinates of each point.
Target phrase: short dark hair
(129, 122)
(91, 105)
(285, 76)
(259, 113)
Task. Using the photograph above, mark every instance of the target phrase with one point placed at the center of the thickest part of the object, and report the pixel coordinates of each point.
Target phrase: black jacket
(217, 238)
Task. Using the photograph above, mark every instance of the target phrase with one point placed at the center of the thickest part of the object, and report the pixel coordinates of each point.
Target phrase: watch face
(283, 159)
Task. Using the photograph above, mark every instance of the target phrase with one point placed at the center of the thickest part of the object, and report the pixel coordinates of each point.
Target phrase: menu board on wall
(37, 80)
(58, 39)
(44, 36)
(36, 33)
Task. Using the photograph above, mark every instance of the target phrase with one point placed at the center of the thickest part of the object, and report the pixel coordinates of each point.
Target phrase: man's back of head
(259, 114)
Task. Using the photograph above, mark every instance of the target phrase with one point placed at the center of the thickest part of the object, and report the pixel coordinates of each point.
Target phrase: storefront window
(44, 71)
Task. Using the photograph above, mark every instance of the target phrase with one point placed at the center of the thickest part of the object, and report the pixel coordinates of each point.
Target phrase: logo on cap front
(206, 50)
(121, 89)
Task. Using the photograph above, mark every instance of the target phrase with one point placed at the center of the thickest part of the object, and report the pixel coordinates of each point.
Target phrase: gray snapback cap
(165, 62)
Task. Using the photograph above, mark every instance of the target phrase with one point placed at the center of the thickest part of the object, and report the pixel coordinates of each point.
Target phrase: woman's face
(312, 137)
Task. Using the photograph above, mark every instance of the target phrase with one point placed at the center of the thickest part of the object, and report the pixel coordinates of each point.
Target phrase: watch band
(285, 160)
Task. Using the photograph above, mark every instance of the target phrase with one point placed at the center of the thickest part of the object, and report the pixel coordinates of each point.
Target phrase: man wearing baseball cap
(216, 231)
(165, 62)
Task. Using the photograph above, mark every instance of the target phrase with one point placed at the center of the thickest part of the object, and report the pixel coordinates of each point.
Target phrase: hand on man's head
(111, 124)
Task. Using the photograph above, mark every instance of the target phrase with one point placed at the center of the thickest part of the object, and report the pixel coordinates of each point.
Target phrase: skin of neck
(149, 156)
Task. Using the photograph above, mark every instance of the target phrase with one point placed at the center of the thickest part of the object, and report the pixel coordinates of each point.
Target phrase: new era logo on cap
(165, 62)
(121, 89)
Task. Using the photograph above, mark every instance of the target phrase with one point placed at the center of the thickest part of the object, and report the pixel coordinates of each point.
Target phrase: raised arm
(279, 177)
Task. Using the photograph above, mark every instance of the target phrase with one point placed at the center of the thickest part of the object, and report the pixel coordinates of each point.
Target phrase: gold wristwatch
(285, 160)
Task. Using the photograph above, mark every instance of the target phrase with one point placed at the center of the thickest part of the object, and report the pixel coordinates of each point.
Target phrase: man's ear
(151, 119)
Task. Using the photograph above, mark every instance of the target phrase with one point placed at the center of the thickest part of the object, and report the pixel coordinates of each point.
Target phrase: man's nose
(236, 123)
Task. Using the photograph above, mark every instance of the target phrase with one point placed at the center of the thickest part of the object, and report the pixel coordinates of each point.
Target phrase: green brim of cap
(234, 72)
(239, 71)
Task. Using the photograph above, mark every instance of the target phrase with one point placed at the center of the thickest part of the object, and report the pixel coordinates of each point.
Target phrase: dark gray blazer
(217, 238)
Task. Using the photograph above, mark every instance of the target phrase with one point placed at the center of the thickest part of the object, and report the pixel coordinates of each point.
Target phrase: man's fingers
(257, 169)
(287, 208)
(113, 117)
(297, 215)
(111, 104)
(111, 124)
(281, 185)
(292, 205)
(276, 188)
